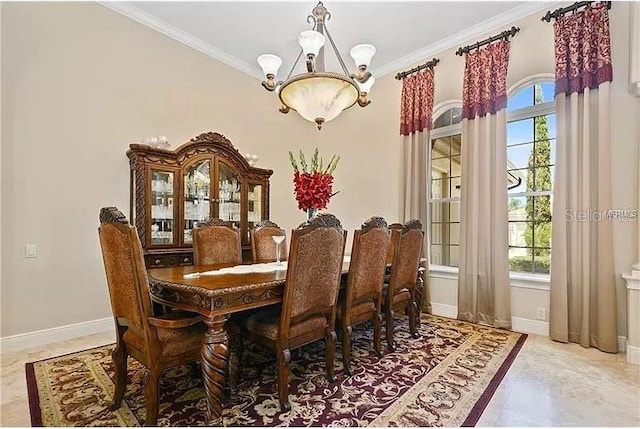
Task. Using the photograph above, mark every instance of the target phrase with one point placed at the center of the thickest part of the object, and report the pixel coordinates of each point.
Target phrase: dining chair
(399, 292)
(156, 342)
(308, 309)
(263, 248)
(361, 300)
(216, 242)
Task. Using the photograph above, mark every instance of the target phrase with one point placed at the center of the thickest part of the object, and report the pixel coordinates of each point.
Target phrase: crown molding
(144, 18)
(464, 36)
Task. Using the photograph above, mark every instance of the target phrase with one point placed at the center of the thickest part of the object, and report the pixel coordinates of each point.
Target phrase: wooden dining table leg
(215, 361)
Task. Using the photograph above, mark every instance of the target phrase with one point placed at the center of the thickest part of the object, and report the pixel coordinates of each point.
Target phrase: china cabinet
(173, 190)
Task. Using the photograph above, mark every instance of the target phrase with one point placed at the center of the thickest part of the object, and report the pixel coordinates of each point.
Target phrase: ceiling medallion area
(319, 95)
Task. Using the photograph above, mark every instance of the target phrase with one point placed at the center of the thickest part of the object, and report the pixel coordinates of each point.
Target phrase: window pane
(539, 208)
(455, 166)
(454, 256)
(543, 128)
(520, 131)
(456, 115)
(436, 233)
(518, 156)
(518, 232)
(440, 168)
(543, 180)
(517, 208)
(443, 120)
(454, 233)
(436, 254)
(454, 215)
(523, 175)
(520, 261)
(546, 92)
(439, 189)
(455, 187)
(439, 212)
(456, 143)
(440, 147)
(521, 99)
(545, 152)
(541, 264)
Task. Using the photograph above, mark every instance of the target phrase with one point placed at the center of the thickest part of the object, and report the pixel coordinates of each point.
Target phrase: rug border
(485, 398)
(33, 396)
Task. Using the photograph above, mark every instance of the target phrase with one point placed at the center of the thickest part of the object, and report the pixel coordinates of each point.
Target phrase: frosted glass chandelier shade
(366, 86)
(362, 54)
(270, 64)
(311, 41)
(319, 97)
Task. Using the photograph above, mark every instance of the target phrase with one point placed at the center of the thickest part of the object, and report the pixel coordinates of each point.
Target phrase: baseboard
(53, 335)
(444, 310)
(529, 326)
(633, 354)
(622, 344)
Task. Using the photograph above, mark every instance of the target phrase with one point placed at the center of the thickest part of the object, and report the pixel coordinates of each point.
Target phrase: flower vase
(311, 212)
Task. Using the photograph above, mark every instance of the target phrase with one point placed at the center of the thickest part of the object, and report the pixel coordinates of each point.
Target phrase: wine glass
(278, 239)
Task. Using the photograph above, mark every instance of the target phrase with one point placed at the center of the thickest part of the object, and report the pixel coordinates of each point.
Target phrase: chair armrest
(175, 320)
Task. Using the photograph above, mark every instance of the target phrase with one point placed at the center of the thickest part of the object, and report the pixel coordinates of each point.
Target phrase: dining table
(216, 292)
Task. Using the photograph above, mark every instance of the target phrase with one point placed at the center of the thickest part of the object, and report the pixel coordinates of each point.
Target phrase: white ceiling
(403, 32)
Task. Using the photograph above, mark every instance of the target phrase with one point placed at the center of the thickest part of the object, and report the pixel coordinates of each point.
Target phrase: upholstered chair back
(368, 261)
(404, 269)
(125, 272)
(263, 248)
(313, 274)
(216, 242)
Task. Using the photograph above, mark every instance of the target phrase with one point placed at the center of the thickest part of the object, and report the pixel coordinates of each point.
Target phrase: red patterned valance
(485, 80)
(416, 105)
(583, 49)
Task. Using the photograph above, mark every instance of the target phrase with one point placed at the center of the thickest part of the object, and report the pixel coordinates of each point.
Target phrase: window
(531, 148)
(444, 195)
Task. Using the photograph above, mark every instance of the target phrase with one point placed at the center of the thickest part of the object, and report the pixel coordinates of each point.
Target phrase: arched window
(531, 155)
(444, 195)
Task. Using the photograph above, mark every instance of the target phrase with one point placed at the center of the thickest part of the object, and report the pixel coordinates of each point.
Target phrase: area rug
(445, 377)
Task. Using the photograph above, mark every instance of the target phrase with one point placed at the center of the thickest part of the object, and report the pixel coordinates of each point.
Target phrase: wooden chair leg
(389, 328)
(346, 349)
(152, 397)
(377, 333)
(284, 358)
(330, 353)
(412, 318)
(119, 357)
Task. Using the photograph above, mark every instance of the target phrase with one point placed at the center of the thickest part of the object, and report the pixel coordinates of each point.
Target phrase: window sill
(519, 280)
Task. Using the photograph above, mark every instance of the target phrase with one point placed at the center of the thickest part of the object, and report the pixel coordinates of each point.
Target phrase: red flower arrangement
(313, 186)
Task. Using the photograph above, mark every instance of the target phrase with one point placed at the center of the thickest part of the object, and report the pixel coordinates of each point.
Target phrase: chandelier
(318, 95)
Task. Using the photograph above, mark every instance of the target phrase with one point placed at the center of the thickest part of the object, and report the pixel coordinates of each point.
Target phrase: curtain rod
(428, 64)
(504, 35)
(559, 12)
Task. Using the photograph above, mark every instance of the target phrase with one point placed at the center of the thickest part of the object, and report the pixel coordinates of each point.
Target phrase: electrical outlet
(542, 313)
(31, 251)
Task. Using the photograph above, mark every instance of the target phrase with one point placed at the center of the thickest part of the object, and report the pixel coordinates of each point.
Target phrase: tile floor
(549, 384)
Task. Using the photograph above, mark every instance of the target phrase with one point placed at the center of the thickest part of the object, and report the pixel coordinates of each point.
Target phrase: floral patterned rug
(446, 377)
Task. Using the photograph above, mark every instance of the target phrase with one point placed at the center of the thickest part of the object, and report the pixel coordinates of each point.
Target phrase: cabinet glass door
(254, 208)
(229, 191)
(197, 190)
(162, 221)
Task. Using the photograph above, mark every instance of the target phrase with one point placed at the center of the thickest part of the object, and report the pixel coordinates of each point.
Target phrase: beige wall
(79, 83)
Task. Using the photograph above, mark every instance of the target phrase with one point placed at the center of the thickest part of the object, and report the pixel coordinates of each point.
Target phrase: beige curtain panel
(415, 122)
(583, 286)
(483, 282)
